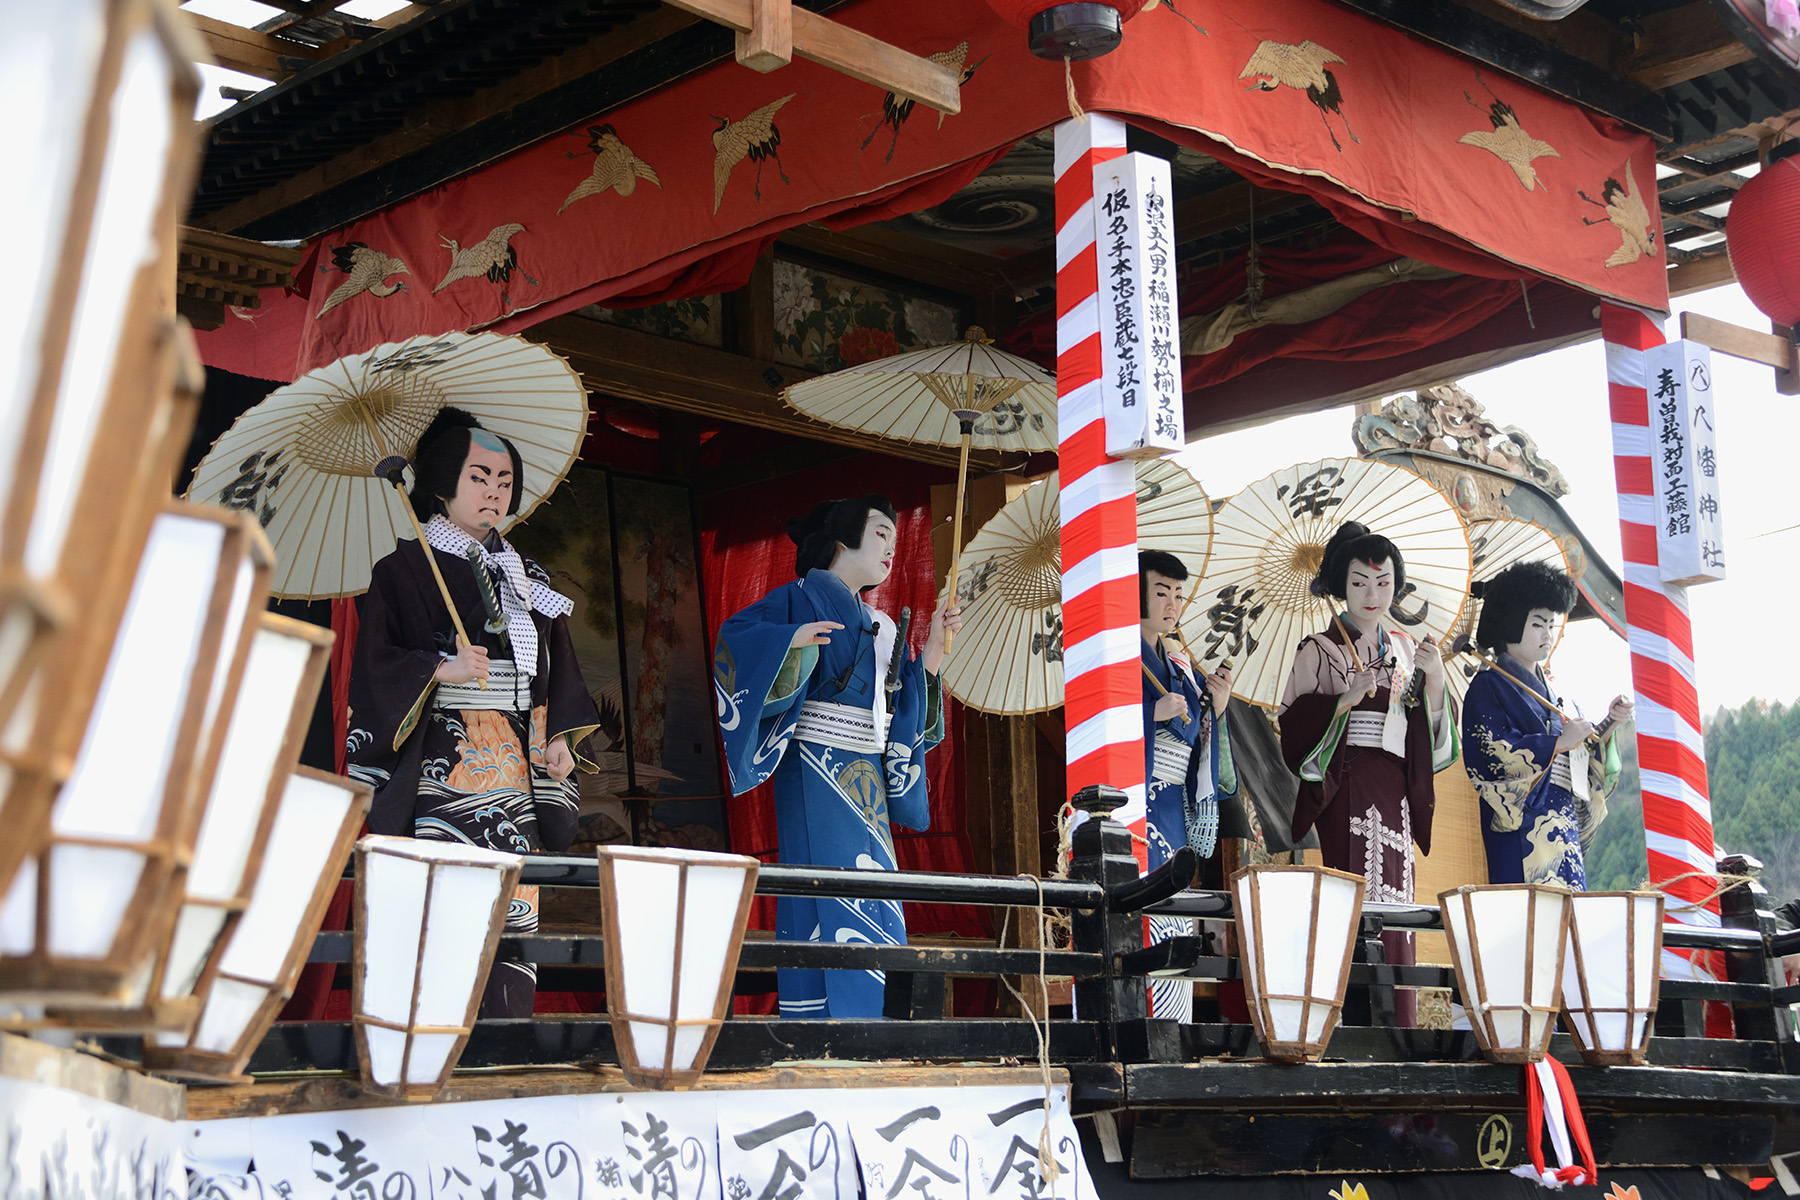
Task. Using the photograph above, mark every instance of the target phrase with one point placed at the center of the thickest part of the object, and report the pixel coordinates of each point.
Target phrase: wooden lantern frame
(141, 427)
(1579, 1020)
(443, 854)
(192, 1060)
(618, 1003)
(44, 976)
(153, 1011)
(1471, 978)
(1256, 993)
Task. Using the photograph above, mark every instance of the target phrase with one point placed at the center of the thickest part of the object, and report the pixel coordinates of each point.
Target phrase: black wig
(1508, 598)
(1354, 543)
(438, 461)
(1164, 564)
(817, 535)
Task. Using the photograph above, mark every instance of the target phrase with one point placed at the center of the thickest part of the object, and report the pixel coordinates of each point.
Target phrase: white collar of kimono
(519, 595)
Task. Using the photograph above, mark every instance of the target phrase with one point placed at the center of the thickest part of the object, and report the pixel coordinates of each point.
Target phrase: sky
(1560, 399)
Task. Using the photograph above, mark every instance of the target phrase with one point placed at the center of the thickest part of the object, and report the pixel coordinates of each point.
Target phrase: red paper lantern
(1078, 30)
(1762, 232)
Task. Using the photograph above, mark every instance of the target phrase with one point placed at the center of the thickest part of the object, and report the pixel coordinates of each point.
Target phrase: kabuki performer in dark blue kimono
(816, 690)
(1187, 754)
(1543, 784)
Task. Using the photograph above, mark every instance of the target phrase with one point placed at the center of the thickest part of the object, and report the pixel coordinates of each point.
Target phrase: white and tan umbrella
(1253, 604)
(965, 394)
(1011, 655)
(309, 459)
(1496, 545)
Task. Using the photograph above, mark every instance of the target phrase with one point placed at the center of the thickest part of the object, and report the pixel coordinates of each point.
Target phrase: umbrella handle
(962, 483)
(462, 635)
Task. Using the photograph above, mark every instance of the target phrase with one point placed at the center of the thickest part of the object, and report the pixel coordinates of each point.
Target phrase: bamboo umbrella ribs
(964, 394)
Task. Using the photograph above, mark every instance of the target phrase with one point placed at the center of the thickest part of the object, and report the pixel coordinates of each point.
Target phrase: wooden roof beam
(239, 49)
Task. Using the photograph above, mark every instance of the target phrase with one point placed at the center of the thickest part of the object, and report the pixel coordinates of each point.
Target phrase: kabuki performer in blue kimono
(818, 691)
(1543, 783)
(1187, 754)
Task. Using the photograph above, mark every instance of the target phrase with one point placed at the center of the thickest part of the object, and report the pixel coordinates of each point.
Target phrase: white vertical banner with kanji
(1690, 543)
(1140, 358)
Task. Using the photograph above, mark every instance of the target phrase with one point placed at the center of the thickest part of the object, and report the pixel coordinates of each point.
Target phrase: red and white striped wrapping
(1102, 698)
(1678, 829)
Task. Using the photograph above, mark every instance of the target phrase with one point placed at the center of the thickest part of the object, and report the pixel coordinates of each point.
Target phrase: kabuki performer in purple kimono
(451, 760)
(1365, 757)
(1187, 754)
(1542, 782)
(818, 690)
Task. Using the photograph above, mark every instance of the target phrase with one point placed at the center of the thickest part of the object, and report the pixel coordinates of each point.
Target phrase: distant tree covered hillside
(1753, 770)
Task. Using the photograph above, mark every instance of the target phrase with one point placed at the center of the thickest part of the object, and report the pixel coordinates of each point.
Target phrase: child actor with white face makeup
(1365, 759)
(813, 692)
(1543, 783)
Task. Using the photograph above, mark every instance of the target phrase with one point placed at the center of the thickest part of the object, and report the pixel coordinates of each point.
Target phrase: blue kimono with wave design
(833, 806)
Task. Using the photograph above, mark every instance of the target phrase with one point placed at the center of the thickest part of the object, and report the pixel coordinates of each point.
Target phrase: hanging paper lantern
(1069, 30)
(1759, 233)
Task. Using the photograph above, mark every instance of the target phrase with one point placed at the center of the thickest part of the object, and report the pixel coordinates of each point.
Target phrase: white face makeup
(1538, 638)
(1162, 604)
(868, 565)
(1368, 591)
(483, 492)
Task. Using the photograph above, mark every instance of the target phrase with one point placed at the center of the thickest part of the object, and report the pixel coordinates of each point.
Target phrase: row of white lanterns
(1523, 955)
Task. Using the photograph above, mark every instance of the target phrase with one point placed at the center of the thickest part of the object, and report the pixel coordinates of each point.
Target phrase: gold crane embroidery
(1303, 68)
(895, 111)
(369, 271)
(493, 256)
(1625, 211)
(1507, 141)
(756, 138)
(615, 166)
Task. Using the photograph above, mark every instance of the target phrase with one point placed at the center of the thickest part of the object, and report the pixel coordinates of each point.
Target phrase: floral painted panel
(826, 322)
(696, 319)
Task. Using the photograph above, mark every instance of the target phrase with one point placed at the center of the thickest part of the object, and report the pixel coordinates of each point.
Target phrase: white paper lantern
(93, 900)
(91, 201)
(670, 965)
(1296, 930)
(1507, 942)
(308, 844)
(1610, 976)
(428, 919)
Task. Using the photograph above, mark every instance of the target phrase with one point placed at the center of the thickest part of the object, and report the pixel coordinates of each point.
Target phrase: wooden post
(1012, 774)
(769, 43)
(1102, 854)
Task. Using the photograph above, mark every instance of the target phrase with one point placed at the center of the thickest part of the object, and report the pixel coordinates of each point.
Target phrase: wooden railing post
(1748, 907)
(1102, 854)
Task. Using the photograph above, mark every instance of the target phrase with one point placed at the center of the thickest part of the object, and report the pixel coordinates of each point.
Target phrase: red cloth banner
(674, 194)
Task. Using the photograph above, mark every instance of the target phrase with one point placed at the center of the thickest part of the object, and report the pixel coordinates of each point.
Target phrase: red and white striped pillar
(1102, 697)
(1678, 830)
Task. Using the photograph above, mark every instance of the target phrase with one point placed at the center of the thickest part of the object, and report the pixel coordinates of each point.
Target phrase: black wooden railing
(1108, 1040)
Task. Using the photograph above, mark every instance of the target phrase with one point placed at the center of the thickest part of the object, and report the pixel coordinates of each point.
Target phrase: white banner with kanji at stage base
(56, 1143)
(967, 1143)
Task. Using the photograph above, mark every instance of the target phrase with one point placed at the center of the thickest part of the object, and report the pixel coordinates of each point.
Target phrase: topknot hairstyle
(816, 536)
(1509, 597)
(439, 457)
(1164, 564)
(1354, 543)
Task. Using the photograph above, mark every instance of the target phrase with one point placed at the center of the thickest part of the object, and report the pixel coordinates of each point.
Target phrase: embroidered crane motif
(1303, 68)
(895, 111)
(368, 270)
(493, 256)
(1625, 211)
(1507, 141)
(615, 166)
(756, 138)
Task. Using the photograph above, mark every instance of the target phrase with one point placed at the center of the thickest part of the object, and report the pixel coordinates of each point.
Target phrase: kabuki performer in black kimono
(816, 689)
(1364, 757)
(1543, 788)
(1187, 754)
(450, 759)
